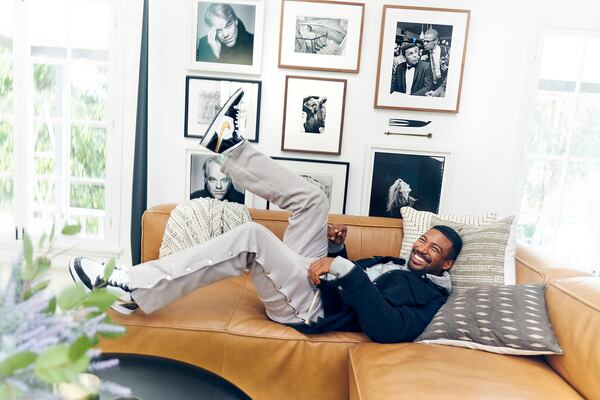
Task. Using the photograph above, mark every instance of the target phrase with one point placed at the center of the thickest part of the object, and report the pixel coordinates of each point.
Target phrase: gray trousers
(277, 268)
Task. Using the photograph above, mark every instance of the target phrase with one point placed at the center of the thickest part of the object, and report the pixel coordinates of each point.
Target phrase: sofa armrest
(534, 266)
(574, 310)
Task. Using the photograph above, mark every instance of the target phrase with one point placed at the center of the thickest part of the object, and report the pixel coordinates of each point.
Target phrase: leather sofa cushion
(223, 328)
(574, 311)
(428, 371)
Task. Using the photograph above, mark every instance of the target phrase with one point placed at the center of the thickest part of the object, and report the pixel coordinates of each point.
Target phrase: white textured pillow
(416, 223)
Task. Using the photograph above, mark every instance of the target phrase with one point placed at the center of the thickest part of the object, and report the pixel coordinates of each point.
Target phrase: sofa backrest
(367, 236)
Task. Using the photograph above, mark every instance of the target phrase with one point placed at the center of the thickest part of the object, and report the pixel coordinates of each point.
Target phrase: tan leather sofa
(223, 328)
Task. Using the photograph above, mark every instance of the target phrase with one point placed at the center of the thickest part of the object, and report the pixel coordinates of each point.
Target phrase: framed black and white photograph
(204, 179)
(421, 57)
(321, 35)
(227, 36)
(204, 97)
(329, 176)
(313, 114)
(397, 177)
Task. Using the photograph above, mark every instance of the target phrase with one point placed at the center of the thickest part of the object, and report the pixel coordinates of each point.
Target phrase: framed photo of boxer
(399, 177)
(421, 56)
(321, 35)
(226, 36)
(204, 97)
(313, 114)
(204, 179)
(329, 176)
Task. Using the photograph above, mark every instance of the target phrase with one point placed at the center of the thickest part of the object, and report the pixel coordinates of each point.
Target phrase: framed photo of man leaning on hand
(227, 36)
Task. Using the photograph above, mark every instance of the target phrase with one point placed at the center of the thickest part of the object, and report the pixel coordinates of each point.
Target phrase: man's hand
(213, 42)
(318, 268)
(336, 233)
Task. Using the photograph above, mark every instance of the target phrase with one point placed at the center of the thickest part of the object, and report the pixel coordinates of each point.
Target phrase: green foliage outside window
(6, 86)
(88, 152)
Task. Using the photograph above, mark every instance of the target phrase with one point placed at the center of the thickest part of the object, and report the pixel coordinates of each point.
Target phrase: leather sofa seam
(575, 296)
(528, 266)
(355, 378)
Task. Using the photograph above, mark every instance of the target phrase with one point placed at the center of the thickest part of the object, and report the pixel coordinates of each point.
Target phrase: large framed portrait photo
(321, 35)
(204, 97)
(329, 176)
(421, 57)
(402, 177)
(226, 36)
(204, 179)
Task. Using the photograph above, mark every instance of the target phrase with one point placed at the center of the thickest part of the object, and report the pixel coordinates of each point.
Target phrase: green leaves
(71, 297)
(81, 346)
(17, 362)
(71, 230)
(55, 365)
(100, 298)
(109, 268)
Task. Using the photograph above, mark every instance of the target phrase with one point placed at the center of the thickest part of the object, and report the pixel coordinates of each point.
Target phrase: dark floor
(152, 378)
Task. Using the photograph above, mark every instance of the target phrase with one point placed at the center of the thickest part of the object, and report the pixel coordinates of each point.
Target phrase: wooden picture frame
(239, 43)
(330, 176)
(434, 42)
(321, 35)
(204, 97)
(313, 114)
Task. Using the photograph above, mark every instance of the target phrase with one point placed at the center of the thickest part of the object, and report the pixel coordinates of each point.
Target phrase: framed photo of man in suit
(421, 57)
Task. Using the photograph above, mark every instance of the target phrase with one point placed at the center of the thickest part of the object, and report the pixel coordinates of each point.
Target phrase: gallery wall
(486, 138)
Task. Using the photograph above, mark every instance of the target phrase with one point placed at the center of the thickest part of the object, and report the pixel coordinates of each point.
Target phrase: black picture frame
(338, 191)
(250, 103)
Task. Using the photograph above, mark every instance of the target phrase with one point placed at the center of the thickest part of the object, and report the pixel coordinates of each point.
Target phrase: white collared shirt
(410, 76)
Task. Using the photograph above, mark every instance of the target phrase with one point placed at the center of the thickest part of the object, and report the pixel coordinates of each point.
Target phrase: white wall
(486, 136)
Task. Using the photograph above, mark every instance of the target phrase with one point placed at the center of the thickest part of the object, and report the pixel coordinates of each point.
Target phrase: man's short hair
(408, 45)
(216, 159)
(220, 10)
(433, 33)
(453, 237)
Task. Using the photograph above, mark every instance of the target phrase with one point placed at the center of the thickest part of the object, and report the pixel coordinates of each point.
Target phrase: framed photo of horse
(321, 35)
(313, 114)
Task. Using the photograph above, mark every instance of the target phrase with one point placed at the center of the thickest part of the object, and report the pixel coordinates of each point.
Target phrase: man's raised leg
(306, 233)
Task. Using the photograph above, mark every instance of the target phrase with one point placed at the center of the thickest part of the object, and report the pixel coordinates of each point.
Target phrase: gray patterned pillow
(501, 319)
(481, 261)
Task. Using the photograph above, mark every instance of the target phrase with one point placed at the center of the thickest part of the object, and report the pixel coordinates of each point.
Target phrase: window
(59, 74)
(560, 206)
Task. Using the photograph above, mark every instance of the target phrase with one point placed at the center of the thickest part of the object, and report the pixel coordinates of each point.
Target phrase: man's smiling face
(430, 253)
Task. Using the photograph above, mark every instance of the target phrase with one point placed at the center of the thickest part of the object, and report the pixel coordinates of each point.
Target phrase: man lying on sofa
(298, 284)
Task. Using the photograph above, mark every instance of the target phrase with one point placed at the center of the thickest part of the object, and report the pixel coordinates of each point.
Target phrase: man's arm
(427, 83)
(381, 321)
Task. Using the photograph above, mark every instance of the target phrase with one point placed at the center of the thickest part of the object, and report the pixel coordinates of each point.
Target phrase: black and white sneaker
(222, 136)
(90, 274)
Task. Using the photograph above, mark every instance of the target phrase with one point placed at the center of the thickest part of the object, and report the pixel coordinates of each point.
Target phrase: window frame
(565, 159)
(122, 76)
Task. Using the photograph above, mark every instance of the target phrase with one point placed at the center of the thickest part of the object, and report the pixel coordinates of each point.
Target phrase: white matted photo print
(204, 179)
(321, 35)
(204, 97)
(313, 114)
(400, 177)
(329, 176)
(226, 36)
(421, 57)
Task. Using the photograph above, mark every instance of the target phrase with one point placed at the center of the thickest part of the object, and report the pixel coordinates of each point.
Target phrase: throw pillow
(503, 319)
(415, 223)
(481, 261)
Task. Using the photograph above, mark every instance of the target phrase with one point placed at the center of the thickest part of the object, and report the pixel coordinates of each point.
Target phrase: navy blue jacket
(396, 307)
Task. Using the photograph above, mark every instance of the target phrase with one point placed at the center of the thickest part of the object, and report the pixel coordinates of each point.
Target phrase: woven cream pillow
(416, 223)
(481, 261)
